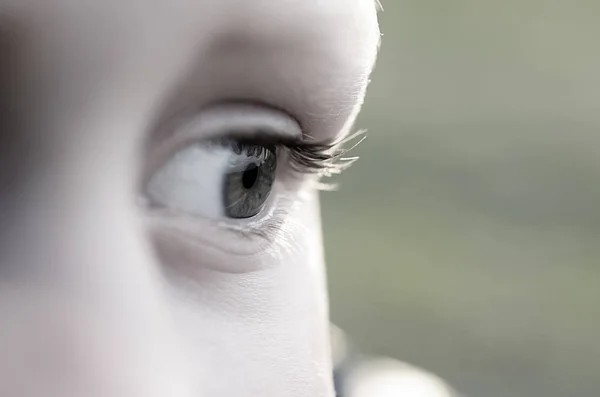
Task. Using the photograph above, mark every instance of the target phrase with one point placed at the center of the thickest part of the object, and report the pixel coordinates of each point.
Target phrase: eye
(215, 179)
(223, 160)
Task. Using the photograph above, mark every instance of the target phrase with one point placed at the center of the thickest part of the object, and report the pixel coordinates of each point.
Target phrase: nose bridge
(81, 302)
(83, 308)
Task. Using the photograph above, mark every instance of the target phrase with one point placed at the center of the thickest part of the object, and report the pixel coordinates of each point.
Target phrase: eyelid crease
(245, 120)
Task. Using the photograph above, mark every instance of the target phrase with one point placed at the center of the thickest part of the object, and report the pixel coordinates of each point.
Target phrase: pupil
(250, 176)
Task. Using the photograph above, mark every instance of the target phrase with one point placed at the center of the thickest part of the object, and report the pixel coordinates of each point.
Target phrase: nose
(81, 310)
(80, 295)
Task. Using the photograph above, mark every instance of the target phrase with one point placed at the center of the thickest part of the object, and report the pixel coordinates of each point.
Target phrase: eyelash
(324, 160)
(321, 159)
(312, 158)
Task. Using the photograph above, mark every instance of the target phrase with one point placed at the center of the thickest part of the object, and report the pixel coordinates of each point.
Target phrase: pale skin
(105, 293)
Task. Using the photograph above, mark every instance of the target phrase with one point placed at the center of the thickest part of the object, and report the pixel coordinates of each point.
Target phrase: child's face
(160, 229)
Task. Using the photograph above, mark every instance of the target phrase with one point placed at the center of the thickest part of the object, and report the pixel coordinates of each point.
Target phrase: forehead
(310, 57)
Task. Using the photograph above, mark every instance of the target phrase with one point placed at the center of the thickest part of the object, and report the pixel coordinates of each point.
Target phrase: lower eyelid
(236, 245)
(233, 247)
(211, 248)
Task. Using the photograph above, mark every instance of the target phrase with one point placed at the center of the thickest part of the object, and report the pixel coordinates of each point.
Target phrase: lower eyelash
(325, 160)
(267, 230)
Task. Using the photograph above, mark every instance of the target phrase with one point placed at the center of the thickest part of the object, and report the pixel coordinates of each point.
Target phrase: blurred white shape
(386, 377)
(339, 345)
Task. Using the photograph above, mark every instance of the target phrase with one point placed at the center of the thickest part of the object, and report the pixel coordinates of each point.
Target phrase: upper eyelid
(246, 122)
(224, 119)
(240, 120)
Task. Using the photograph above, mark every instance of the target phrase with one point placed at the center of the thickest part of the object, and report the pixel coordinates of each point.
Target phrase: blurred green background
(467, 238)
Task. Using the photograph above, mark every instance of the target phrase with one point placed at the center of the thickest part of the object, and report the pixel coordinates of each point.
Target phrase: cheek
(267, 329)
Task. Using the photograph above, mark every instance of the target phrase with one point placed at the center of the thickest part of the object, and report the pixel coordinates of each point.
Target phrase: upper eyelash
(326, 159)
(323, 159)
(305, 157)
